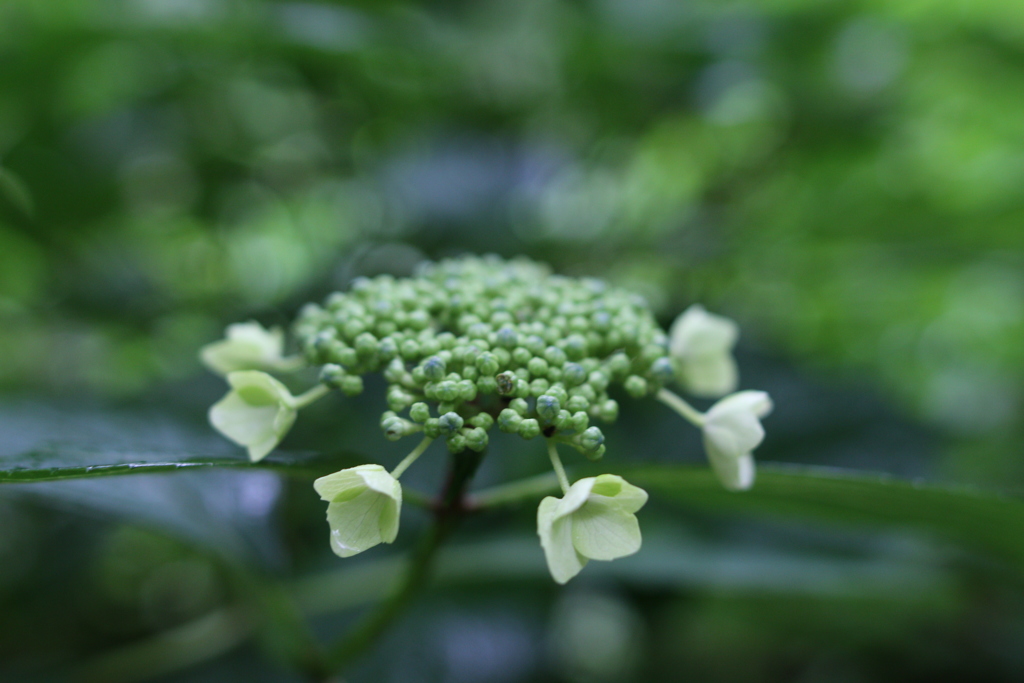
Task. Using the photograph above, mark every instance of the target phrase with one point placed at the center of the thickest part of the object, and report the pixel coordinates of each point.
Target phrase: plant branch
(688, 412)
(447, 514)
(314, 394)
(411, 458)
(514, 492)
(556, 462)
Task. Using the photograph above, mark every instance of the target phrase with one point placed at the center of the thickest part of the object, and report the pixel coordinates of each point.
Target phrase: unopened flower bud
(434, 368)
(476, 439)
(509, 421)
(482, 420)
(331, 375)
(635, 386)
(573, 374)
(548, 407)
(419, 412)
(529, 428)
(352, 385)
(450, 423)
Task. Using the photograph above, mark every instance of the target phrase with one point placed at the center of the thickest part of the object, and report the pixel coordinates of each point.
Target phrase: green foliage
(843, 180)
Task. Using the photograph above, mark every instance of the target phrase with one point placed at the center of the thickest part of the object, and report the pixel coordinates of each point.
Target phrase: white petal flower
(732, 429)
(247, 346)
(364, 506)
(256, 413)
(594, 521)
(701, 344)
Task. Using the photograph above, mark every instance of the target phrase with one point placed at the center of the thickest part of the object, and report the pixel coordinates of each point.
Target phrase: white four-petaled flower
(246, 346)
(701, 344)
(256, 413)
(595, 520)
(364, 506)
(732, 429)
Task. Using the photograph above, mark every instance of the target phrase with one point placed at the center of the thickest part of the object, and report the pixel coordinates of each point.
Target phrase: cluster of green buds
(471, 345)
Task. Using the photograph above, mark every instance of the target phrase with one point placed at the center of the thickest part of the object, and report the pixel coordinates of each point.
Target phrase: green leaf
(984, 521)
(15, 191)
(59, 462)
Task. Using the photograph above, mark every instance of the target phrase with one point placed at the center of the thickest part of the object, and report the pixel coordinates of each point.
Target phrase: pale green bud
(535, 344)
(529, 428)
(520, 406)
(410, 349)
(548, 407)
(509, 421)
(609, 410)
(456, 443)
(599, 380)
(521, 356)
(429, 346)
(395, 428)
(366, 345)
(352, 385)
(447, 391)
(635, 386)
(503, 356)
(619, 365)
(450, 422)
(577, 403)
(555, 356)
(467, 390)
(522, 389)
(353, 328)
(432, 428)
(476, 439)
(482, 420)
(434, 368)
(331, 375)
(388, 349)
(507, 337)
(573, 374)
(419, 412)
(559, 392)
(487, 364)
(538, 367)
(591, 439)
(662, 370)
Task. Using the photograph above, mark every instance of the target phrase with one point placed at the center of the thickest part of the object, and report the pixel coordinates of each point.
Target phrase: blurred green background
(844, 179)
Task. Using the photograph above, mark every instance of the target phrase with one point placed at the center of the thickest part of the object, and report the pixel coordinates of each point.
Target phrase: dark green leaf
(15, 191)
(980, 520)
(44, 442)
(71, 463)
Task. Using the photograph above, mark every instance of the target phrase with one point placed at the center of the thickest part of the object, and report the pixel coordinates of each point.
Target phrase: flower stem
(314, 394)
(507, 494)
(447, 515)
(411, 458)
(677, 404)
(289, 364)
(556, 462)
